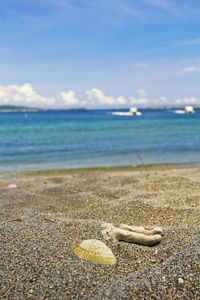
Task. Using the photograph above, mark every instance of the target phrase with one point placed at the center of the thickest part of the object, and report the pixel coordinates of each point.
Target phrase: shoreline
(117, 168)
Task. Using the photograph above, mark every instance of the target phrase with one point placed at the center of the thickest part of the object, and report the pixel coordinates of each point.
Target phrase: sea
(65, 139)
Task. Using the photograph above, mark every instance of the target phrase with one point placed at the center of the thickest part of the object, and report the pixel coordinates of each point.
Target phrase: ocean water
(83, 138)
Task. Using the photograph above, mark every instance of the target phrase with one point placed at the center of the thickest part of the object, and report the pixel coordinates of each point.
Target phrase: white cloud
(187, 100)
(141, 93)
(140, 65)
(144, 101)
(97, 97)
(138, 101)
(27, 96)
(23, 95)
(191, 69)
(163, 100)
(69, 98)
(172, 6)
(189, 42)
(121, 7)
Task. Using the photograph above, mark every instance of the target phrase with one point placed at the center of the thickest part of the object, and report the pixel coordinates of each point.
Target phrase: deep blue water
(68, 139)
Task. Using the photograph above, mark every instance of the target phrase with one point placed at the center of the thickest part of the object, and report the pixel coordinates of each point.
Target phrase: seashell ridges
(95, 251)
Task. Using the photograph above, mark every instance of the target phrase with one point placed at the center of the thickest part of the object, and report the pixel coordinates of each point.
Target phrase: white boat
(187, 110)
(133, 111)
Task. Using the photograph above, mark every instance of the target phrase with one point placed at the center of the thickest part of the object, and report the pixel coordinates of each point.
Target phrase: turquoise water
(70, 139)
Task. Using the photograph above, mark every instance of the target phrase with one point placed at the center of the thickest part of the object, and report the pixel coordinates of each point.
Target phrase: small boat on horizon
(187, 110)
(133, 111)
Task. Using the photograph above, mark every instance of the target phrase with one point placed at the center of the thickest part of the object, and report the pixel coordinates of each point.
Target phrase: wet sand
(47, 214)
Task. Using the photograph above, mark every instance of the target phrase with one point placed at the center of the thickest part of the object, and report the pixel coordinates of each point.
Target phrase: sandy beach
(47, 214)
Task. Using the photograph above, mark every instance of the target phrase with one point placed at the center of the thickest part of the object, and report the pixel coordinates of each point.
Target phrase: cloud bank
(69, 98)
(23, 95)
(96, 96)
(26, 95)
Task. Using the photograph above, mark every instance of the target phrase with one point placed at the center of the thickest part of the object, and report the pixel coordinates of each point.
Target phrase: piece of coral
(142, 229)
(132, 234)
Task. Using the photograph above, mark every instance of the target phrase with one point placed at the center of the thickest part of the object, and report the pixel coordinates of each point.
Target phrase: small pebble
(180, 280)
(12, 186)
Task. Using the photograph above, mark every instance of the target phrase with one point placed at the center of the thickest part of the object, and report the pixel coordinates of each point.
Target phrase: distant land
(13, 108)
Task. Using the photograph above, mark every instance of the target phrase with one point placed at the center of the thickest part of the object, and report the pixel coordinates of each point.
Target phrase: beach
(44, 215)
(100, 150)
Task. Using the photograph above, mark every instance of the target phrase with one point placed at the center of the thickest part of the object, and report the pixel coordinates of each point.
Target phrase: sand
(48, 214)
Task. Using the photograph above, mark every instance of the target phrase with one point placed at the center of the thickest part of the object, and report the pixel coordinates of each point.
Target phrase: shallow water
(81, 138)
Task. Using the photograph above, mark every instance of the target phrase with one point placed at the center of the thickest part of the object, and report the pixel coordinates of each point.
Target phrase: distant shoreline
(24, 111)
(12, 109)
(106, 169)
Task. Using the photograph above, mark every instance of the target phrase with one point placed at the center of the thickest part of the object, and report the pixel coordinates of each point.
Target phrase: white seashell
(95, 251)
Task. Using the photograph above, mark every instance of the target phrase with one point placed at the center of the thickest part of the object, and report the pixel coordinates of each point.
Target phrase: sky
(99, 53)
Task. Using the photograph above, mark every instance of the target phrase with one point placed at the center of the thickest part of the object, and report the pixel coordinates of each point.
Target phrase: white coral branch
(132, 234)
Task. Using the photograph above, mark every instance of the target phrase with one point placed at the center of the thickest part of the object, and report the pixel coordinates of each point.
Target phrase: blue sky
(102, 53)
